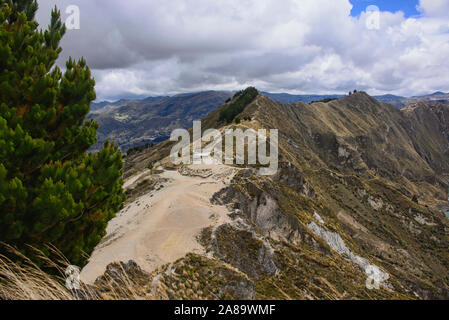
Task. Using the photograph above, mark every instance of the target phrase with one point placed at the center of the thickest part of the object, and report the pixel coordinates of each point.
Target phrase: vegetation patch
(197, 277)
(240, 101)
(139, 149)
(325, 100)
(142, 187)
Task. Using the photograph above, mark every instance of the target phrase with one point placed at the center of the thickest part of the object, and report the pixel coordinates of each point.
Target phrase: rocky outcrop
(260, 210)
(244, 251)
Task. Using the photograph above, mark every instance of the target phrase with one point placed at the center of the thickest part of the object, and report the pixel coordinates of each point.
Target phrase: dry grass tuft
(27, 281)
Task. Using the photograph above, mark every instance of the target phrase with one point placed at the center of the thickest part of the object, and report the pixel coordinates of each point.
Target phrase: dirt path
(162, 226)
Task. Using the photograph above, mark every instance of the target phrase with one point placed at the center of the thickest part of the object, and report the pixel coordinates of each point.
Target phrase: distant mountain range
(398, 101)
(401, 102)
(132, 123)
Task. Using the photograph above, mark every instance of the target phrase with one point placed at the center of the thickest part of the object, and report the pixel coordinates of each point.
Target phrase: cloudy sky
(154, 47)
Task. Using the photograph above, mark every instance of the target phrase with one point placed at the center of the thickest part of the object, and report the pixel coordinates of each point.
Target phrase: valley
(133, 123)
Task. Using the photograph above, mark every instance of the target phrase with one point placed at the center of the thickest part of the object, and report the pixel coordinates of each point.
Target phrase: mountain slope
(434, 98)
(398, 101)
(131, 123)
(358, 197)
(364, 161)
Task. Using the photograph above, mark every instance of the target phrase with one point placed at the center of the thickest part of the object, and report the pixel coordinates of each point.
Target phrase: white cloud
(435, 8)
(143, 47)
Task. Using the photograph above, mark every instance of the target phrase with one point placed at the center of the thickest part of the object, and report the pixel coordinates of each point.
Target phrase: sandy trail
(162, 226)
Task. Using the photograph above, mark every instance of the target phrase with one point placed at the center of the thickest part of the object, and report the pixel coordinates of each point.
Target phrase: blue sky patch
(407, 6)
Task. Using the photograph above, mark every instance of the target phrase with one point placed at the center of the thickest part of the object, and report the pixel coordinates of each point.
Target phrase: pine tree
(51, 190)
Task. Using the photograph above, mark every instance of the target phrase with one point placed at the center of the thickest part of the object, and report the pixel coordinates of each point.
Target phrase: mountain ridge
(361, 188)
(125, 122)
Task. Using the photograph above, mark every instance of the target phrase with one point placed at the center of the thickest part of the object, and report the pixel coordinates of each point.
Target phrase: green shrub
(139, 148)
(241, 100)
(326, 100)
(51, 190)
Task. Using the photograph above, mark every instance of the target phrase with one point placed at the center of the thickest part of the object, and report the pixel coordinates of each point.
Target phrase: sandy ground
(162, 226)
